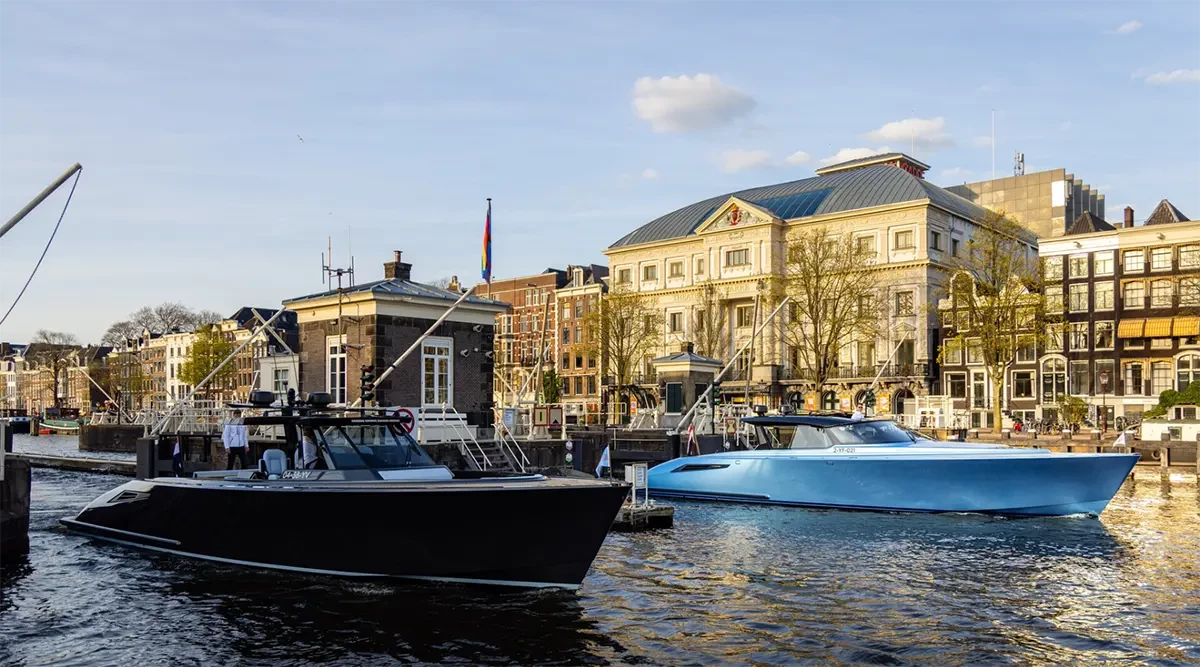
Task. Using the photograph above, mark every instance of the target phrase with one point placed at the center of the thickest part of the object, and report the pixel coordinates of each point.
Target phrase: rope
(44, 250)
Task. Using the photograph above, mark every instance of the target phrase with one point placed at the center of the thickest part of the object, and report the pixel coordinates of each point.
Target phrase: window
(1189, 292)
(1135, 343)
(1160, 294)
(1160, 377)
(624, 277)
(1053, 268)
(866, 305)
(1054, 336)
(935, 240)
(1160, 343)
(649, 273)
(578, 335)
(866, 353)
(903, 240)
(648, 323)
(1189, 256)
(1104, 296)
(566, 310)
(954, 247)
(674, 397)
(1187, 371)
(578, 362)
(566, 337)
(1026, 349)
(592, 364)
(1104, 335)
(280, 378)
(566, 361)
(700, 266)
(335, 363)
(1134, 295)
(865, 245)
(962, 320)
(1079, 298)
(675, 270)
(954, 352)
(904, 303)
(1160, 259)
(1080, 378)
(1102, 263)
(1133, 379)
(974, 352)
(578, 308)
(745, 316)
(957, 382)
(737, 257)
(978, 391)
(1054, 298)
(1079, 336)
(591, 383)
(1134, 261)
(1054, 380)
(1023, 384)
(675, 322)
(1105, 378)
(1079, 265)
(436, 382)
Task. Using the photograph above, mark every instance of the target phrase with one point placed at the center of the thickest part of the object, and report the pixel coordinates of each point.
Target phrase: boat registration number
(299, 474)
(844, 450)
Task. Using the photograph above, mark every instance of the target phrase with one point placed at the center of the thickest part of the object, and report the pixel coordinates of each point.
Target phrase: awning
(1158, 327)
(1187, 326)
(1131, 328)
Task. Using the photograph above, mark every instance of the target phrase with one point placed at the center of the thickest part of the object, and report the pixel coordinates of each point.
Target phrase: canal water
(728, 585)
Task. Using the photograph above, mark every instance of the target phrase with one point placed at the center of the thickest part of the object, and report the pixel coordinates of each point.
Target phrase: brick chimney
(397, 270)
(1128, 216)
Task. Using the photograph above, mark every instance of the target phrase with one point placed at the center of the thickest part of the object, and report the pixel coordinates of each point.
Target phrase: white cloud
(649, 174)
(955, 172)
(799, 157)
(1128, 27)
(688, 104)
(853, 154)
(1177, 76)
(740, 159)
(982, 140)
(923, 132)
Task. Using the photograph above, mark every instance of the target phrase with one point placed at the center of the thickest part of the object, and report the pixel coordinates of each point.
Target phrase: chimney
(397, 270)
(1128, 216)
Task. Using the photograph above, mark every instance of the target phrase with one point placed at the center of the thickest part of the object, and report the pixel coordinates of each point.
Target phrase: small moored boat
(841, 462)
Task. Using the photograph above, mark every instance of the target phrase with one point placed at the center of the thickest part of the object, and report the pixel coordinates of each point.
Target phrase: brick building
(578, 368)
(374, 323)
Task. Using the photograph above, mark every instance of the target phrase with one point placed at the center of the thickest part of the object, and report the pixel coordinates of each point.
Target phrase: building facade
(525, 333)
(738, 243)
(578, 358)
(1045, 202)
(373, 323)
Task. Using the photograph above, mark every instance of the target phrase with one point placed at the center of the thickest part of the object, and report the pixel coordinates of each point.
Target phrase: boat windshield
(374, 447)
(868, 433)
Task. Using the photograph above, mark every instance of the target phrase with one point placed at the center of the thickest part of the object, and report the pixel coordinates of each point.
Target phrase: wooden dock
(79, 464)
(644, 516)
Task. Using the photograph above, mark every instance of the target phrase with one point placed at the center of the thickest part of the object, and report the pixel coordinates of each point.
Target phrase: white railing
(456, 427)
(510, 447)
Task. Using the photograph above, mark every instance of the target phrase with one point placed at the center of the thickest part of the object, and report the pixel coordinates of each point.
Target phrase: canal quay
(730, 584)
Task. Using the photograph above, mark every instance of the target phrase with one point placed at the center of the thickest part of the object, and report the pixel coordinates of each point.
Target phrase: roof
(1087, 223)
(869, 160)
(593, 274)
(402, 288)
(1165, 213)
(686, 356)
(245, 315)
(870, 186)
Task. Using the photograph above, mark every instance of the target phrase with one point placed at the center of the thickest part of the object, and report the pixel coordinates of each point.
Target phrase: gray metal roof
(870, 159)
(407, 288)
(875, 185)
(686, 356)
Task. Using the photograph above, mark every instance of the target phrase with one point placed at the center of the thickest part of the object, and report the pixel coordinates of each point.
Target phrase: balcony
(868, 372)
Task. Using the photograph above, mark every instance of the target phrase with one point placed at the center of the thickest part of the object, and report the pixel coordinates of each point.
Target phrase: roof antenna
(993, 144)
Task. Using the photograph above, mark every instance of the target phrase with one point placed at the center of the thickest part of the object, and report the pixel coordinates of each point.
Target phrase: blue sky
(197, 187)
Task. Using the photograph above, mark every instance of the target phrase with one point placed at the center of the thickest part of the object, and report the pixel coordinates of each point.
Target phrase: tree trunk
(997, 400)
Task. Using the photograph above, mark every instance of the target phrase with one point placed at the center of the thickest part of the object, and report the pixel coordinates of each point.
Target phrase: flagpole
(489, 277)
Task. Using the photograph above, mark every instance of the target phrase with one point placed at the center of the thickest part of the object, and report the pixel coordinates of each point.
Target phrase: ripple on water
(730, 584)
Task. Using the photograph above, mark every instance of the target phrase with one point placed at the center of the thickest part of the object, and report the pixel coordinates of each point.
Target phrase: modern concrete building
(1046, 201)
(739, 240)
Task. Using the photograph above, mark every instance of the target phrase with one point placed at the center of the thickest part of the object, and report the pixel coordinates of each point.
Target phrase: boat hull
(519, 534)
(1018, 485)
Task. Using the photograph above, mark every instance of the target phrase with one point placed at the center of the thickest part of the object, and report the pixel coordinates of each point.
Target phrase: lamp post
(1104, 401)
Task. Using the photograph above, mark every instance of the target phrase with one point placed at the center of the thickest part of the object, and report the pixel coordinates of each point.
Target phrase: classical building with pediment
(738, 241)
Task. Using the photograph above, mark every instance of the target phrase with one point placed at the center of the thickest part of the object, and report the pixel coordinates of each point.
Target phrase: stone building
(525, 332)
(739, 240)
(1046, 202)
(372, 324)
(579, 367)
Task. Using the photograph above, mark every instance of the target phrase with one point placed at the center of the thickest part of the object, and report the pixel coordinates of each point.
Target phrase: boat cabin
(824, 432)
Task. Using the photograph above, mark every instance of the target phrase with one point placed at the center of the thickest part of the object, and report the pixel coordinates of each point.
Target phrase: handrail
(521, 462)
(462, 443)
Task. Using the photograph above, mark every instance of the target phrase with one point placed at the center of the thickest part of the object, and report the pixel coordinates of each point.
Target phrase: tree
(996, 301)
(203, 317)
(119, 332)
(1170, 398)
(551, 387)
(627, 327)
(712, 338)
(54, 351)
(208, 350)
(121, 376)
(1073, 409)
(832, 284)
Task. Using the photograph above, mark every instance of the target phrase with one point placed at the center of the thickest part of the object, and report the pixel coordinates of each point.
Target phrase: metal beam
(12, 222)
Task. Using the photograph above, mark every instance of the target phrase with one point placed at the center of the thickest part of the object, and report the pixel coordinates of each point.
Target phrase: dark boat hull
(532, 534)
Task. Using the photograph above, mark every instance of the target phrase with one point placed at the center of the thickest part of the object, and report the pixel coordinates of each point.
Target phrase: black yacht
(375, 505)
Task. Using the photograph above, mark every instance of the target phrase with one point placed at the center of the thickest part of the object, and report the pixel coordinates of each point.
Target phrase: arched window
(1187, 371)
(1054, 380)
(829, 401)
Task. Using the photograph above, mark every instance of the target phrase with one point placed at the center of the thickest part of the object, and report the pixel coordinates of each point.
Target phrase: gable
(736, 213)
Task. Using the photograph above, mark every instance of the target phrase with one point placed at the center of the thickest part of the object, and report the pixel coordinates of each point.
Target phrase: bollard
(1006, 434)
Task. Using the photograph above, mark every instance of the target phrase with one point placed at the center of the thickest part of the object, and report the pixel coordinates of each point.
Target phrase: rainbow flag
(486, 260)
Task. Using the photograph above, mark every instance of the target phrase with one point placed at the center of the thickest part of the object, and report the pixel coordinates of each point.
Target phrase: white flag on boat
(1120, 442)
(604, 462)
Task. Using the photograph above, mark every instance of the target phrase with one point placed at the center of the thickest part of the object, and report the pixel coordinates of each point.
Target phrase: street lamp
(1104, 401)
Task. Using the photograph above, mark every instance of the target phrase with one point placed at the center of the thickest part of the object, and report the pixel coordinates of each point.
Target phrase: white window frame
(1075, 290)
(912, 240)
(280, 375)
(672, 264)
(1112, 334)
(1155, 253)
(1033, 378)
(649, 268)
(1072, 259)
(1140, 267)
(1104, 287)
(1107, 255)
(438, 344)
(731, 251)
(335, 350)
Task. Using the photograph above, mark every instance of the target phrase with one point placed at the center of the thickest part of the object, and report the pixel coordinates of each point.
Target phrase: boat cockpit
(797, 432)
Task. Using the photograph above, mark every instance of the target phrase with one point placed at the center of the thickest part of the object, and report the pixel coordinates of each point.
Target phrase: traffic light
(869, 399)
(716, 394)
(367, 392)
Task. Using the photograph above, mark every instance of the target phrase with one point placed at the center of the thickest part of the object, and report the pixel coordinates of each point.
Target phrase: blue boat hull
(1048, 485)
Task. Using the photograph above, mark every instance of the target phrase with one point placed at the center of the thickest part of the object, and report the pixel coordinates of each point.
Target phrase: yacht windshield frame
(368, 459)
(868, 432)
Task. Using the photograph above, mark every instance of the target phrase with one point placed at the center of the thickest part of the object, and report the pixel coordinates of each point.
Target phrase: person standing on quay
(236, 440)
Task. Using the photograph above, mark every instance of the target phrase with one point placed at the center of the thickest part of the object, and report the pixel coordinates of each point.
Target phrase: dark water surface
(728, 585)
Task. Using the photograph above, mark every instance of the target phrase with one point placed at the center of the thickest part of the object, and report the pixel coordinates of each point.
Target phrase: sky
(224, 143)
